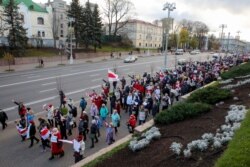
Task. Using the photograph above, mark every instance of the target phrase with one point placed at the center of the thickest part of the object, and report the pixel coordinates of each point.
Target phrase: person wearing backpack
(73, 112)
(83, 104)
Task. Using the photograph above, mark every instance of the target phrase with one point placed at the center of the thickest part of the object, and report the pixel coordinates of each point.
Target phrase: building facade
(233, 45)
(36, 19)
(142, 34)
(59, 21)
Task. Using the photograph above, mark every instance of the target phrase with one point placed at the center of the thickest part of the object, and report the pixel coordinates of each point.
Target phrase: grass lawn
(41, 52)
(238, 151)
(108, 48)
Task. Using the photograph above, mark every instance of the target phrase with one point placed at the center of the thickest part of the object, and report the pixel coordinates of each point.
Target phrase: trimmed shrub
(240, 70)
(209, 95)
(181, 111)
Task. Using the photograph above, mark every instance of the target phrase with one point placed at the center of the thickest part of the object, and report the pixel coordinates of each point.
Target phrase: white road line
(95, 80)
(52, 97)
(42, 91)
(75, 70)
(94, 75)
(50, 83)
(66, 75)
(34, 76)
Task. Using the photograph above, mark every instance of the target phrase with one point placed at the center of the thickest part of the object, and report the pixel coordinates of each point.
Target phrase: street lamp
(222, 26)
(71, 60)
(170, 7)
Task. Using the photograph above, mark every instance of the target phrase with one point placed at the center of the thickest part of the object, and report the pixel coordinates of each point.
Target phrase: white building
(59, 21)
(233, 45)
(36, 19)
(142, 34)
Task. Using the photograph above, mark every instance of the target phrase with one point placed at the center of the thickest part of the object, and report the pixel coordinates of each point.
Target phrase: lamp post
(170, 7)
(222, 26)
(228, 43)
(71, 60)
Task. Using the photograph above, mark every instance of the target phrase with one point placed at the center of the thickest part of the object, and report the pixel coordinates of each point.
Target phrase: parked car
(182, 61)
(179, 52)
(194, 52)
(130, 59)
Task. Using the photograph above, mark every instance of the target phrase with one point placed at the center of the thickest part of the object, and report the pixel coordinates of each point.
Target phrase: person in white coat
(79, 148)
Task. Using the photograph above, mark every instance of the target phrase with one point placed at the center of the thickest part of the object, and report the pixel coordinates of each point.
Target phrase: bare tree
(55, 26)
(118, 12)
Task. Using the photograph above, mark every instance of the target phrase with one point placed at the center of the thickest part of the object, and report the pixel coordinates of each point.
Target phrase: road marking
(94, 75)
(42, 91)
(77, 73)
(50, 83)
(34, 76)
(94, 80)
(53, 97)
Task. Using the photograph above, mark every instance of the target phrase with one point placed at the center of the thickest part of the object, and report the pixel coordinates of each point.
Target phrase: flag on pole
(112, 76)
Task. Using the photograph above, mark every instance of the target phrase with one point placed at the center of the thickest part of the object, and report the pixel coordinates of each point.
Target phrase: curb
(102, 151)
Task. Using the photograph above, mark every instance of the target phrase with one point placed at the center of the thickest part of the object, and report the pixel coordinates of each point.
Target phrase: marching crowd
(143, 96)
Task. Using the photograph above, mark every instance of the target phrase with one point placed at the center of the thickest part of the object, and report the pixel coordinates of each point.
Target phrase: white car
(182, 61)
(194, 52)
(179, 52)
(130, 59)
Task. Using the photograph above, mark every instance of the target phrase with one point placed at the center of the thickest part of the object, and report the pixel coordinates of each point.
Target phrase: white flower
(226, 81)
(217, 144)
(236, 98)
(207, 136)
(200, 145)
(187, 153)
(176, 148)
(236, 126)
(226, 128)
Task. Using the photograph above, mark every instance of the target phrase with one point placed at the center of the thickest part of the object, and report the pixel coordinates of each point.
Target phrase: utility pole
(238, 42)
(228, 42)
(222, 26)
(169, 7)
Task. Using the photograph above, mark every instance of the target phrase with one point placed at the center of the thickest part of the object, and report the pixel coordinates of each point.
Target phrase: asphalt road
(38, 87)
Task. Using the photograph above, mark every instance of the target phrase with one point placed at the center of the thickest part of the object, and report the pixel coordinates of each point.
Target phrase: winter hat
(93, 121)
(80, 137)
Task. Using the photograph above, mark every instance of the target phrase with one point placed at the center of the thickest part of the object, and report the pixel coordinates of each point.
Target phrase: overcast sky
(234, 13)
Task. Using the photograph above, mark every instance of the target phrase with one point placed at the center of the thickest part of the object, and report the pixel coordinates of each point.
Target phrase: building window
(61, 16)
(43, 34)
(39, 34)
(146, 44)
(61, 25)
(22, 18)
(139, 44)
(155, 45)
(40, 20)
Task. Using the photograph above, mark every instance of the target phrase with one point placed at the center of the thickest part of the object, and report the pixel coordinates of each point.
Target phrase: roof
(32, 6)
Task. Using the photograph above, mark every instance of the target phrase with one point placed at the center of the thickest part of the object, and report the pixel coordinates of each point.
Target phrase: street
(39, 87)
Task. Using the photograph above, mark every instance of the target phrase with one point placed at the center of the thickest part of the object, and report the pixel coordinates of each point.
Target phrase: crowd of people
(143, 96)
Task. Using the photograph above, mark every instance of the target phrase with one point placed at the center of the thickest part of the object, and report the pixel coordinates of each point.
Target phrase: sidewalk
(23, 67)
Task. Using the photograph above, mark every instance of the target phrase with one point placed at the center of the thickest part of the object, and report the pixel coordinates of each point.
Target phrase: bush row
(181, 111)
(209, 95)
(241, 70)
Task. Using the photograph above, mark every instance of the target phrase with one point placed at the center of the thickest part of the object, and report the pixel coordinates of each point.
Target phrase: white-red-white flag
(112, 76)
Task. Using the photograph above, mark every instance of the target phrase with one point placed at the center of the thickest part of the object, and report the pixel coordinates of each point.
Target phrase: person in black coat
(32, 133)
(3, 118)
(93, 132)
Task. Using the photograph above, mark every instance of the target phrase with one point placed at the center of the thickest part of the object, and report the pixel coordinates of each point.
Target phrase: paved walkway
(31, 66)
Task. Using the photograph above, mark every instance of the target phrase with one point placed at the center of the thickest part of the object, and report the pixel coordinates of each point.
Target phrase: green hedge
(240, 70)
(238, 150)
(181, 111)
(209, 95)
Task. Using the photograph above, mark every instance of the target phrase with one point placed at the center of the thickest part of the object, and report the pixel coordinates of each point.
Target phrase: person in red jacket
(21, 108)
(56, 145)
(131, 123)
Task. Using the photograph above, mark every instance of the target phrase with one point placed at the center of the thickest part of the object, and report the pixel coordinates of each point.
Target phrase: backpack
(74, 111)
